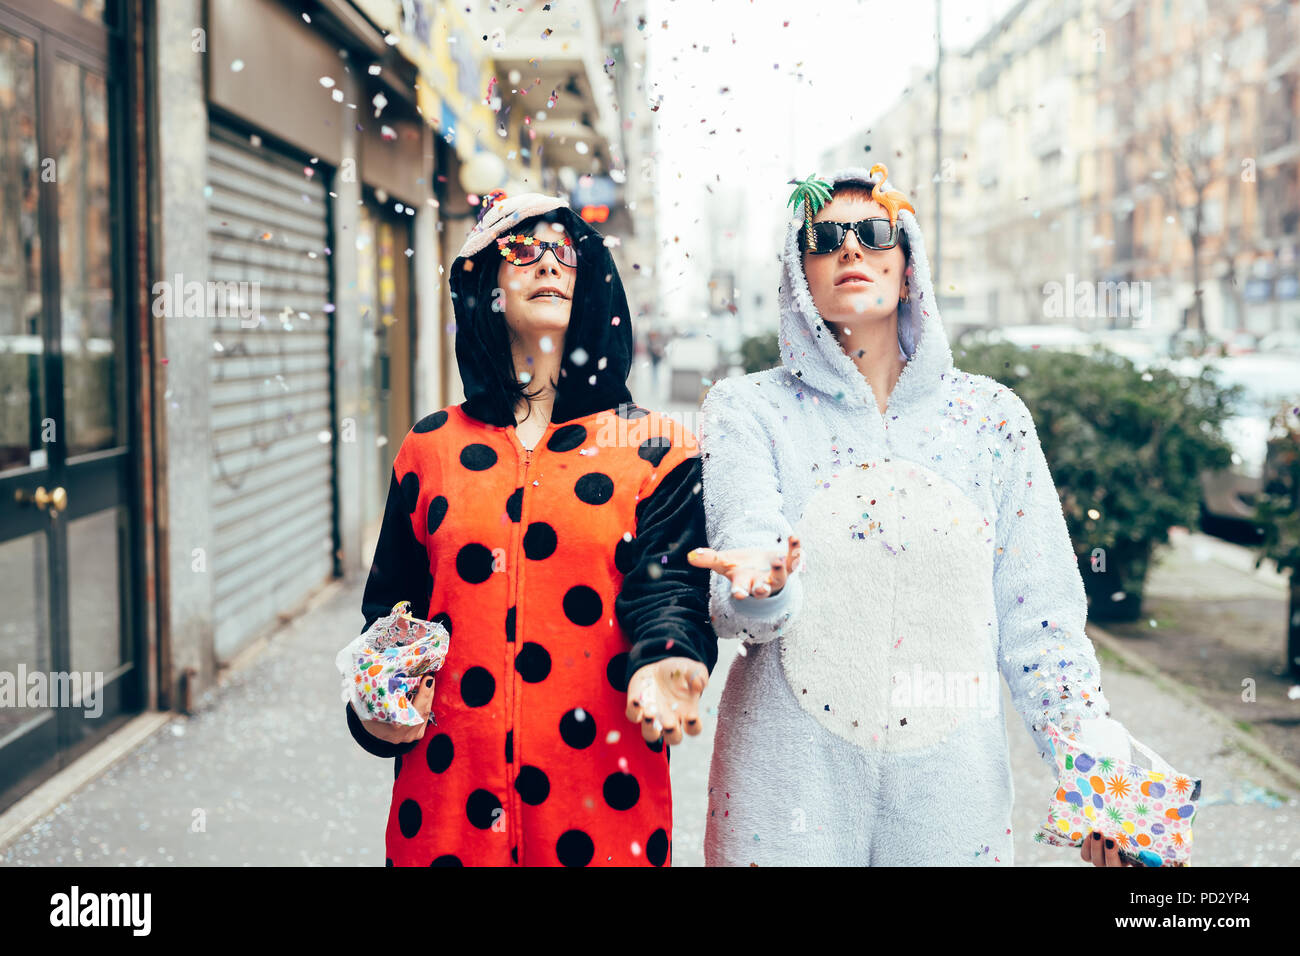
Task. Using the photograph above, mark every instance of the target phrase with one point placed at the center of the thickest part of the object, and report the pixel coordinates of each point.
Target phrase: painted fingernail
(1110, 844)
(1096, 835)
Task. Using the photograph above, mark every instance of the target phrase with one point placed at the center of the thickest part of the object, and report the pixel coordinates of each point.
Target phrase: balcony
(551, 69)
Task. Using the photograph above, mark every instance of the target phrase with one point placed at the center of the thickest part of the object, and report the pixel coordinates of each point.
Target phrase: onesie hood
(598, 345)
(810, 351)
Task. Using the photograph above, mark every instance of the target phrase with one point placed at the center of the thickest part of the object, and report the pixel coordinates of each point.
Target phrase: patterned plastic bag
(381, 668)
(1148, 811)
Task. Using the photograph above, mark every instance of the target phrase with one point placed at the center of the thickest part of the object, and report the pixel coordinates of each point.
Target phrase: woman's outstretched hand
(664, 697)
(1100, 850)
(755, 571)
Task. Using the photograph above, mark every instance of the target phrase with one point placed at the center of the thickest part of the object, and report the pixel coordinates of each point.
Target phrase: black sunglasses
(829, 236)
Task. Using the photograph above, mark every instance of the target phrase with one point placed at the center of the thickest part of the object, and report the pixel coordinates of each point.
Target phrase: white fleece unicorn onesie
(864, 725)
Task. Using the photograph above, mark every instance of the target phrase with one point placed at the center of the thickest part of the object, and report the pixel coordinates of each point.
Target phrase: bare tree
(1190, 167)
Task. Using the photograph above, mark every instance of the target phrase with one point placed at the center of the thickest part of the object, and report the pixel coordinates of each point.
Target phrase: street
(267, 774)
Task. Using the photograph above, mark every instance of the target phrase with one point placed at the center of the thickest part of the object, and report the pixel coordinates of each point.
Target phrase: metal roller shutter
(272, 435)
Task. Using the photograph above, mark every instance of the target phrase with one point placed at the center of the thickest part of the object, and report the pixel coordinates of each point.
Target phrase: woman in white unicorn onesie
(886, 540)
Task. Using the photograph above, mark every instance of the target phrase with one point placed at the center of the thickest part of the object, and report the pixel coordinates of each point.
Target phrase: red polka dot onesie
(558, 571)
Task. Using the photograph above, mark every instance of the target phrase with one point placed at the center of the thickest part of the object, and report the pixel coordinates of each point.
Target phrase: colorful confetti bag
(1148, 811)
(382, 668)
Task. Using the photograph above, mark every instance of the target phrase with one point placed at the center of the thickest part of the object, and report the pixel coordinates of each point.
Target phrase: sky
(754, 91)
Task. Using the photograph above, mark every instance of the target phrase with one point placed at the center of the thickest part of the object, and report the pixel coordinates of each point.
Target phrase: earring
(903, 298)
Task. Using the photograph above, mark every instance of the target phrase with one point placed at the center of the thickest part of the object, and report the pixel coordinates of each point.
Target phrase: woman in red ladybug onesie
(545, 523)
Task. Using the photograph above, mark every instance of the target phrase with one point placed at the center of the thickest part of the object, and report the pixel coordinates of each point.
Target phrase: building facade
(1138, 146)
(223, 303)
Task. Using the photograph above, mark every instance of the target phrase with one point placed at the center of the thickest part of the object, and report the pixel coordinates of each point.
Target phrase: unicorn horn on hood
(813, 193)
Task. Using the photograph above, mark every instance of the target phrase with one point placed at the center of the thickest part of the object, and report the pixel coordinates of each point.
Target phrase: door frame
(57, 31)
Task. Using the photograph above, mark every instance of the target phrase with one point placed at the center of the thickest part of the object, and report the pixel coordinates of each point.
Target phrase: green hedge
(1126, 449)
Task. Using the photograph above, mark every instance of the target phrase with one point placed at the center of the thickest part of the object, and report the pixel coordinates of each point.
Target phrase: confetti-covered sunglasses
(829, 236)
(525, 250)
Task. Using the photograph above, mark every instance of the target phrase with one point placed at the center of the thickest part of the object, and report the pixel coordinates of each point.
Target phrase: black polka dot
(656, 848)
(539, 541)
(388, 861)
(582, 605)
(411, 491)
(443, 618)
(447, 860)
(654, 449)
(397, 767)
(567, 438)
(532, 785)
(510, 625)
(430, 423)
(515, 504)
(533, 663)
(578, 734)
(474, 563)
(657, 746)
(439, 753)
(622, 791)
(408, 818)
(594, 488)
(514, 853)
(482, 808)
(477, 457)
(632, 410)
(510, 746)
(437, 511)
(477, 687)
(625, 555)
(574, 848)
(616, 672)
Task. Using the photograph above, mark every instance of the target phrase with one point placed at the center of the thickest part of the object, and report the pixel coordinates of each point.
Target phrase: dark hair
(489, 333)
(861, 189)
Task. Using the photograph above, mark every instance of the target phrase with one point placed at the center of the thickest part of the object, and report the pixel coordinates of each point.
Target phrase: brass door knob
(42, 498)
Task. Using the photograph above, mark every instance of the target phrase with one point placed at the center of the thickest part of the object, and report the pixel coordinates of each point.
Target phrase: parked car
(1143, 347)
(1241, 342)
(1195, 343)
(1060, 338)
(1269, 381)
(1287, 341)
(693, 361)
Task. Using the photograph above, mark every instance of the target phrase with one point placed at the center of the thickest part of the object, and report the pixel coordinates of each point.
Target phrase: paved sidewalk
(275, 779)
(1217, 625)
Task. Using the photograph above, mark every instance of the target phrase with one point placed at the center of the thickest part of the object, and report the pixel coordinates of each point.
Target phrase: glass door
(68, 658)
(388, 329)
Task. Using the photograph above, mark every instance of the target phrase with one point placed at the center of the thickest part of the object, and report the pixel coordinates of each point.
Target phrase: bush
(1126, 449)
(760, 352)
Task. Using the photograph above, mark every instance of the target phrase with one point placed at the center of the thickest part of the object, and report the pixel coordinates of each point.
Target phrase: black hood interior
(598, 299)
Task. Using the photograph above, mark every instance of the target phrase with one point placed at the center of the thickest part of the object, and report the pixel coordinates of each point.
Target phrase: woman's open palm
(664, 697)
(757, 571)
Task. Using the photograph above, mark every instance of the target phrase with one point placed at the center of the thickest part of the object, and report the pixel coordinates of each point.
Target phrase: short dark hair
(489, 333)
(861, 189)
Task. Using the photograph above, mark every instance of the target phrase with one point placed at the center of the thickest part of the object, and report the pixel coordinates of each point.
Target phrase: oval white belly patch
(893, 648)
